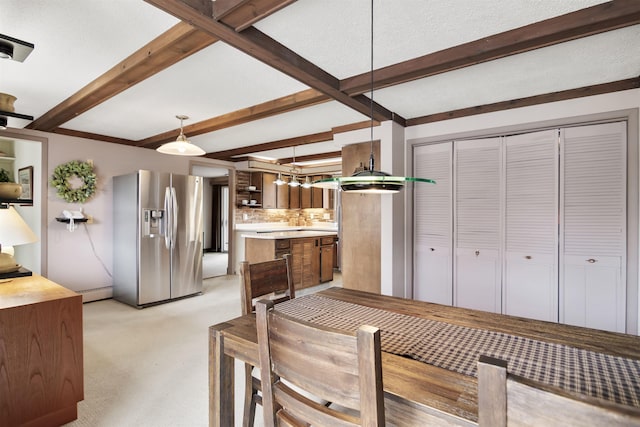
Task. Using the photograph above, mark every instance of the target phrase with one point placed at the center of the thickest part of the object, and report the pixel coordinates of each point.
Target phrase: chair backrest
(265, 278)
(506, 399)
(344, 369)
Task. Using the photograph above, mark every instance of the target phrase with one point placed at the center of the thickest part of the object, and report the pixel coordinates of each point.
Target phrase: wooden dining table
(430, 354)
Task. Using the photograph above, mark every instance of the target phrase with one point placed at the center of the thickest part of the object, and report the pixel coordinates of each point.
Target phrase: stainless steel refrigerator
(157, 221)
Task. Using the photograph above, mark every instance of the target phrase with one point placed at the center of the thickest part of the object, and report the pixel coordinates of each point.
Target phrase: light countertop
(289, 234)
(268, 227)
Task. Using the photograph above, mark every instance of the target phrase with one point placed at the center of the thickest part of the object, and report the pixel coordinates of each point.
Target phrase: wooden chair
(328, 364)
(261, 280)
(509, 400)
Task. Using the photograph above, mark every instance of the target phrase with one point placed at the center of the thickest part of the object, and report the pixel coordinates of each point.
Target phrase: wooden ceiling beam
(94, 136)
(582, 23)
(281, 105)
(616, 86)
(179, 42)
(240, 14)
(274, 54)
(273, 145)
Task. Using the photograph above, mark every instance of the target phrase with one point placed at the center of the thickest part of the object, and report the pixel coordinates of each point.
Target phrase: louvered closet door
(594, 218)
(530, 286)
(477, 237)
(432, 264)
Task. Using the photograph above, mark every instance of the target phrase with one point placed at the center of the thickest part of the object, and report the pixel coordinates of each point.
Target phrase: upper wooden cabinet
(283, 196)
(294, 197)
(268, 195)
(269, 190)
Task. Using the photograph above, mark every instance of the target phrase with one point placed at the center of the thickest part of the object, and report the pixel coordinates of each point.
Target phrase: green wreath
(84, 171)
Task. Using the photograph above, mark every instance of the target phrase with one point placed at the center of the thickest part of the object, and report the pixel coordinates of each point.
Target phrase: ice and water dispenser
(154, 223)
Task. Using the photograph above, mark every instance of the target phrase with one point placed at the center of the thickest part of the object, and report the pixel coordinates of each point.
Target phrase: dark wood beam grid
(265, 49)
(179, 42)
(582, 23)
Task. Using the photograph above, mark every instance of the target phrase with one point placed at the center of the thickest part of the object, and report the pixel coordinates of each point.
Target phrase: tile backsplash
(294, 217)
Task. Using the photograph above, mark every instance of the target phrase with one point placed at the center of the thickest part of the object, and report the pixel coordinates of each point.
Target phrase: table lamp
(13, 231)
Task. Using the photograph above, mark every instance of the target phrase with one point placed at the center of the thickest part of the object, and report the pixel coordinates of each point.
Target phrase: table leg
(221, 387)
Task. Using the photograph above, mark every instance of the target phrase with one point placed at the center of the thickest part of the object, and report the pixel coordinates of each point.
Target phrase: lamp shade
(13, 230)
(181, 147)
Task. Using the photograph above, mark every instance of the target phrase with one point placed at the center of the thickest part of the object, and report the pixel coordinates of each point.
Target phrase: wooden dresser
(41, 357)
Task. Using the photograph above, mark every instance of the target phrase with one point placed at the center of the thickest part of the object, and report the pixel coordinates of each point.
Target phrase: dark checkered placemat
(457, 348)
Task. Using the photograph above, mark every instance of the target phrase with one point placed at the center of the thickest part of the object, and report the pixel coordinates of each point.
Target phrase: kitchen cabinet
(305, 260)
(312, 257)
(282, 196)
(316, 194)
(41, 354)
(327, 258)
(294, 197)
(269, 189)
(244, 180)
(305, 198)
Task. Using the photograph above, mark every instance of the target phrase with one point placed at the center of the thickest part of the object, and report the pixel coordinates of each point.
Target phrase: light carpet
(148, 367)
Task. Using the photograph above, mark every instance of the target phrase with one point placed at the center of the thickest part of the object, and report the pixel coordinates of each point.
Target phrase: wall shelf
(67, 220)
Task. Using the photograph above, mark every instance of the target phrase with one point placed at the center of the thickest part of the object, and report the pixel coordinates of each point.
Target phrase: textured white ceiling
(76, 41)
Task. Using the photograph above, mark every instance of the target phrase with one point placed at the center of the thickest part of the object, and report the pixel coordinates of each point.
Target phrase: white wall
(82, 260)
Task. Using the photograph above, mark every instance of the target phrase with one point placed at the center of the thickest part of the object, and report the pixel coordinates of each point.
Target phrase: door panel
(186, 263)
(432, 257)
(530, 284)
(478, 279)
(477, 224)
(154, 262)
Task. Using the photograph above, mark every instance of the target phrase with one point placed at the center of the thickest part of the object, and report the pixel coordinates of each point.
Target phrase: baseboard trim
(97, 294)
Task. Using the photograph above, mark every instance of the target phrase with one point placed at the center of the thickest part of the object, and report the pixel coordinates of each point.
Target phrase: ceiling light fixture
(306, 183)
(181, 146)
(369, 180)
(6, 51)
(293, 182)
(279, 181)
(14, 49)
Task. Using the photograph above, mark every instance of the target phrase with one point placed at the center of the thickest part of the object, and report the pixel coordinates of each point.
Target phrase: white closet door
(477, 212)
(593, 194)
(530, 287)
(432, 264)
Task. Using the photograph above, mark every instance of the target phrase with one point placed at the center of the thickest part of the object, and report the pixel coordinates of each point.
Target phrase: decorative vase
(10, 190)
(6, 102)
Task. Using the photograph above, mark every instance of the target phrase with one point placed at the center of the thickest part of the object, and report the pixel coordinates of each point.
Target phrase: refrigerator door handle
(167, 218)
(174, 216)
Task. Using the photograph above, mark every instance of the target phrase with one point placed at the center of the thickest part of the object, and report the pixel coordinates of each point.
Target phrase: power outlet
(326, 216)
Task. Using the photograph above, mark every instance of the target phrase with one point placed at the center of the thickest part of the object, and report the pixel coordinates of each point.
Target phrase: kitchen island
(313, 253)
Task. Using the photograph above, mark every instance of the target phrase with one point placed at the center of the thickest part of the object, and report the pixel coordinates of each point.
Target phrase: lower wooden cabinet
(312, 258)
(305, 259)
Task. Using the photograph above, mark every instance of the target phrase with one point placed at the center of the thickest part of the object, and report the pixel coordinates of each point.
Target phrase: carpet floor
(148, 367)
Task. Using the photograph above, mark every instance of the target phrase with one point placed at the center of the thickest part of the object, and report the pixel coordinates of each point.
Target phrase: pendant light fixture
(279, 181)
(369, 180)
(306, 183)
(293, 182)
(181, 146)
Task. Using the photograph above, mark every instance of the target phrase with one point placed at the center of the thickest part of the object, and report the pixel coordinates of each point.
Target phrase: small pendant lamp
(181, 146)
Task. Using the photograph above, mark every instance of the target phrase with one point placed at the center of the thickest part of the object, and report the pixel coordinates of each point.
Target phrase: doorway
(216, 224)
